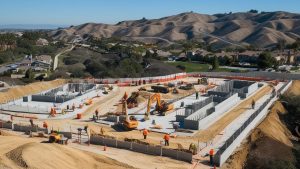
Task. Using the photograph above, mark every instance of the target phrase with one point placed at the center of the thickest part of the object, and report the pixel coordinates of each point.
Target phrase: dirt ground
(20, 91)
(217, 127)
(269, 142)
(18, 152)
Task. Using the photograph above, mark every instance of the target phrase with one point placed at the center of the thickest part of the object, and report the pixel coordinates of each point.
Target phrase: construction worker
(73, 107)
(145, 133)
(31, 122)
(97, 114)
(253, 104)
(167, 138)
(211, 157)
(45, 125)
(197, 95)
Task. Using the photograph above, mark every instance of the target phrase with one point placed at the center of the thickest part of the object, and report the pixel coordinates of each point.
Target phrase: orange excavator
(129, 123)
(161, 106)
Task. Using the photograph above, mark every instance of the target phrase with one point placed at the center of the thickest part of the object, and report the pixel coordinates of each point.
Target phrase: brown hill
(262, 29)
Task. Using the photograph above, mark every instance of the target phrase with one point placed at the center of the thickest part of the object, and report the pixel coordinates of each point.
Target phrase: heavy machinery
(203, 81)
(129, 123)
(187, 86)
(132, 100)
(161, 106)
(54, 137)
(160, 89)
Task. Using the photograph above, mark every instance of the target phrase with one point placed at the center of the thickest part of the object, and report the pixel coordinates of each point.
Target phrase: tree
(265, 60)
(253, 11)
(215, 63)
(29, 74)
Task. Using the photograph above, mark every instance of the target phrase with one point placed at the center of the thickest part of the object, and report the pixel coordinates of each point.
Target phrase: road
(55, 65)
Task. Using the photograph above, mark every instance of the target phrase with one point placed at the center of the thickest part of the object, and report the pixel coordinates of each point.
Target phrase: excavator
(161, 106)
(129, 123)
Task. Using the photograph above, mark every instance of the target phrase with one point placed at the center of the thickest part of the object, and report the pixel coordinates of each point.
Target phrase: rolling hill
(264, 29)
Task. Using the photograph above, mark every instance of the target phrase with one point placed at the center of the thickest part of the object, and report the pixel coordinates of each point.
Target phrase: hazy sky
(111, 11)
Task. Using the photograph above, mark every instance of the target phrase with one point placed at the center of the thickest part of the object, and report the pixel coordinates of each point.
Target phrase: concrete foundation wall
(141, 148)
(124, 145)
(66, 134)
(6, 125)
(221, 158)
(220, 110)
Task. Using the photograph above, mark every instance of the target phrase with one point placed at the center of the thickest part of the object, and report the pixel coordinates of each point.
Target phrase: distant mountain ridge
(259, 29)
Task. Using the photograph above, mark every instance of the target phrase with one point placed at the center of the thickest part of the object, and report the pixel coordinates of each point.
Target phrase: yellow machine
(129, 123)
(161, 106)
(54, 137)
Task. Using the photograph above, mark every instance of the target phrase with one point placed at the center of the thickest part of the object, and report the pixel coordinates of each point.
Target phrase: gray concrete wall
(6, 125)
(221, 158)
(124, 145)
(141, 148)
(220, 110)
(66, 134)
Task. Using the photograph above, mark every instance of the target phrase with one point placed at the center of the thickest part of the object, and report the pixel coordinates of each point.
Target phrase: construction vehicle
(132, 100)
(54, 137)
(129, 123)
(187, 86)
(161, 106)
(160, 89)
(203, 81)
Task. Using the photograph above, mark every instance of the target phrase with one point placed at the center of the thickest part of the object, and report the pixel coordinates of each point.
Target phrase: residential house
(42, 63)
(248, 56)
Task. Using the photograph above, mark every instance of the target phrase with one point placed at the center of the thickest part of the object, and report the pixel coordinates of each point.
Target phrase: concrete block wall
(221, 158)
(6, 125)
(220, 110)
(141, 148)
(124, 145)
(66, 134)
(22, 128)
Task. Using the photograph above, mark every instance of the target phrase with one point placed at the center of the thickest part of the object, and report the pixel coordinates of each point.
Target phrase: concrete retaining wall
(6, 125)
(220, 110)
(66, 134)
(221, 158)
(141, 148)
(17, 127)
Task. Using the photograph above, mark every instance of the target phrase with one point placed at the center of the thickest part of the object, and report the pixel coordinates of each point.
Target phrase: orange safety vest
(211, 152)
(145, 132)
(167, 137)
(45, 125)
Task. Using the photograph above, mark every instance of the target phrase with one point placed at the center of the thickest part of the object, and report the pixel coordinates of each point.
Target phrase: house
(286, 56)
(42, 63)
(42, 42)
(44, 58)
(248, 56)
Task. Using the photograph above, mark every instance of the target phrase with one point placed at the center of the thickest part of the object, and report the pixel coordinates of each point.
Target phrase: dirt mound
(20, 91)
(269, 143)
(26, 153)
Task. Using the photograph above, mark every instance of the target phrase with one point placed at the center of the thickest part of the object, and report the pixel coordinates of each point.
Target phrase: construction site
(172, 121)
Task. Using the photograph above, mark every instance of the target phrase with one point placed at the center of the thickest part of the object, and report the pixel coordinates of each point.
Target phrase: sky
(74, 12)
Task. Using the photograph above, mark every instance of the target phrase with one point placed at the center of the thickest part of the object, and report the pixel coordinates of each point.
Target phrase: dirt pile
(268, 145)
(295, 88)
(26, 153)
(20, 91)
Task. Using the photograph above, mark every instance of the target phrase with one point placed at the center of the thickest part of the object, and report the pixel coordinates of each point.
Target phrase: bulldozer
(161, 106)
(129, 123)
